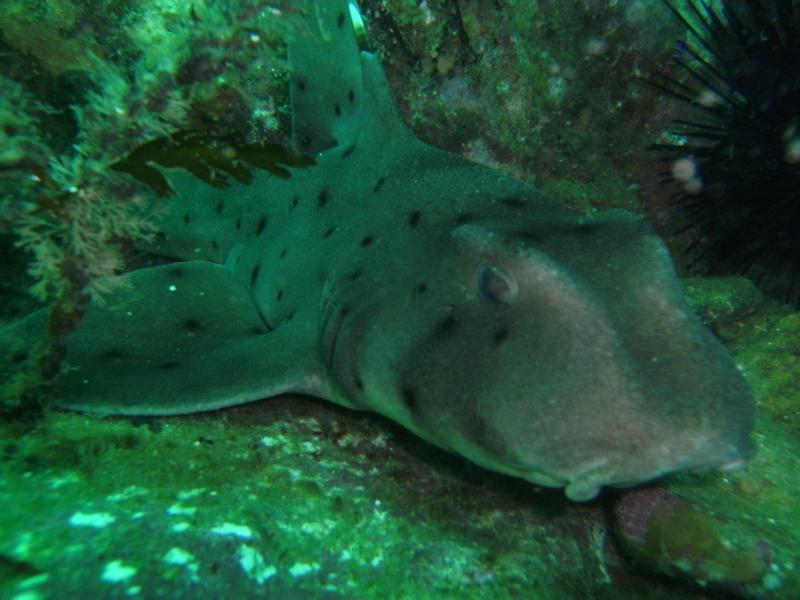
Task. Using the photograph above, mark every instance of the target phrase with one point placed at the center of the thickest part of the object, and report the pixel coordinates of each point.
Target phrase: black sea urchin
(737, 160)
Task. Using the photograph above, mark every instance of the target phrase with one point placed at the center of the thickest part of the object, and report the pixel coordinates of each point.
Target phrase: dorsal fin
(337, 91)
(379, 115)
(326, 82)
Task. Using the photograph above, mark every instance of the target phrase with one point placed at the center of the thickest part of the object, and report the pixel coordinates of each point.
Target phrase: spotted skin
(398, 278)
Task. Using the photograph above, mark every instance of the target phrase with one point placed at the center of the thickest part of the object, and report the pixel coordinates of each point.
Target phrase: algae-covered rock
(287, 498)
(721, 300)
(666, 533)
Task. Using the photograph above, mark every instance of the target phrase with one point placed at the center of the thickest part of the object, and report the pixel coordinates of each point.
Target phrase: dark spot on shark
(323, 198)
(345, 310)
(220, 207)
(421, 288)
(176, 273)
(355, 275)
(257, 331)
(513, 202)
(330, 231)
(186, 219)
(19, 357)
(305, 140)
(464, 218)
(289, 317)
(301, 85)
(359, 383)
(165, 366)
(337, 108)
(366, 241)
(261, 225)
(500, 336)
(279, 296)
(215, 244)
(238, 224)
(351, 95)
(340, 20)
(283, 253)
(409, 396)
(413, 218)
(113, 354)
(588, 228)
(192, 325)
(254, 274)
(348, 151)
(445, 327)
(295, 202)
(378, 184)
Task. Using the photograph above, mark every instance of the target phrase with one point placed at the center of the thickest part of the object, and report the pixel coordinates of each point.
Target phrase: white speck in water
(684, 169)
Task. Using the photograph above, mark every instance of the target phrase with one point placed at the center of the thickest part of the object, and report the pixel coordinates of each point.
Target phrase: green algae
(533, 77)
(721, 300)
(755, 509)
(290, 497)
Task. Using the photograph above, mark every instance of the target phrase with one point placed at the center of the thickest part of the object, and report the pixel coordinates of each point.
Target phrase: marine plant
(735, 159)
(88, 98)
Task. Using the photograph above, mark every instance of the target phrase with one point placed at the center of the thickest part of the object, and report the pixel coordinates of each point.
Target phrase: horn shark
(398, 278)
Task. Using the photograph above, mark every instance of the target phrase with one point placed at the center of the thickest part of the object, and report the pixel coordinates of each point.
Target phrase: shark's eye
(495, 285)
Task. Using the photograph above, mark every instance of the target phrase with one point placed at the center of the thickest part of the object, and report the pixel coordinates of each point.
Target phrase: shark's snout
(692, 451)
(605, 376)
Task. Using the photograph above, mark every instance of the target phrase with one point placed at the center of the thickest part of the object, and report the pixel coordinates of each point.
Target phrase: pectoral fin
(175, 339)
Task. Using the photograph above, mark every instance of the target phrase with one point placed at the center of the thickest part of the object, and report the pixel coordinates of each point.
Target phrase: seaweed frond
(212, 158)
